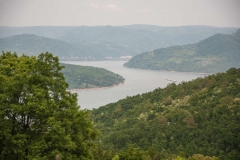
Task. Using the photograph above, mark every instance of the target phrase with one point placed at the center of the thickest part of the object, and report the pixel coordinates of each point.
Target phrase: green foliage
(201, 157)
(89, 77)
(214, 54)
(197, 117)
(39, 118)
(132, 153)
(116, 157)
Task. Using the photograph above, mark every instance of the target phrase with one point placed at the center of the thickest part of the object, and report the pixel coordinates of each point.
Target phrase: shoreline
(157, 70)
(94, 88)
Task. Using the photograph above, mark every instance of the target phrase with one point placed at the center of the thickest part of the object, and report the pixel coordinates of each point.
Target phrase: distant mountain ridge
(113, 42)
(214, 54)
(33, 45)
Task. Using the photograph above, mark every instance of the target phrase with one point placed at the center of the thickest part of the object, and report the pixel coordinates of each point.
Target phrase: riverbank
(94, 88)
(137, 81)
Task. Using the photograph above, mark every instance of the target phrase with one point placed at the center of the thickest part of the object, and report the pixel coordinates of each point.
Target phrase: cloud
(112, 7)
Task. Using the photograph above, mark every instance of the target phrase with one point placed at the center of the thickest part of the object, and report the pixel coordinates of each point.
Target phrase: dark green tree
(39, 118)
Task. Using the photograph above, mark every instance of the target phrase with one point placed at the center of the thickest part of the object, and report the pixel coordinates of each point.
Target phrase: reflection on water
(137, 81)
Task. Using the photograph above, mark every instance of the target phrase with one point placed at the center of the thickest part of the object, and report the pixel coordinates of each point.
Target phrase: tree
(39, 118)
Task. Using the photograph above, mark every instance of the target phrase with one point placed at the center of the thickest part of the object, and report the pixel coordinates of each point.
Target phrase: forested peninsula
(193, 119)
(85, 77)
(217, 53)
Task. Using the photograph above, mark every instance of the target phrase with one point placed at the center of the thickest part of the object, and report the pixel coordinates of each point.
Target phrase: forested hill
(201, 116)
(33, 45)
(113, 42)
(84, 77)
(214, 54)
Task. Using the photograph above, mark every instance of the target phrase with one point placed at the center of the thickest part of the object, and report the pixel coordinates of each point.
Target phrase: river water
(137, 81)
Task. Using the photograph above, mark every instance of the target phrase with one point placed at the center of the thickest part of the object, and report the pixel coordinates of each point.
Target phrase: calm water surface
(137, 81)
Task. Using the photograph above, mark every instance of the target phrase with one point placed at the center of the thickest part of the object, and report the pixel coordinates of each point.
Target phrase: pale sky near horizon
(220, 13)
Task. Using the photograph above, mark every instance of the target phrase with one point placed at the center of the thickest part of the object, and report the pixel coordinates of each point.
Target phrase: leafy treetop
(39, 118)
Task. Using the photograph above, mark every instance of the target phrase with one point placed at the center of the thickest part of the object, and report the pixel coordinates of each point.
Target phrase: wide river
(137, 81)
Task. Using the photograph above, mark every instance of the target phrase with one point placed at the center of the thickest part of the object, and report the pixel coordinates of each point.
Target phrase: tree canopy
(197, 117)
(39, 118)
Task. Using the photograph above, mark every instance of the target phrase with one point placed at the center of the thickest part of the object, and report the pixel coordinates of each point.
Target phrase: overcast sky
(221, 13)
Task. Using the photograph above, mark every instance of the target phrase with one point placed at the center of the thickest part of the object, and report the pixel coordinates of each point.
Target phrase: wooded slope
(214, 54)
(201, 116)
(109, 42)
(33, 45)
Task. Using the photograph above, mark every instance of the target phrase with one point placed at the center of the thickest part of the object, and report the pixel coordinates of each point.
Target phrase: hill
(82, 77)
(33, 45)
(200, 116)
(112, 42)
(214, 54)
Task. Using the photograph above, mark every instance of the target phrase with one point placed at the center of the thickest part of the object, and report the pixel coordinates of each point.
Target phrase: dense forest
(100, 42)
(193, 119)
(40, 119)
(214, 54)
(81, 77)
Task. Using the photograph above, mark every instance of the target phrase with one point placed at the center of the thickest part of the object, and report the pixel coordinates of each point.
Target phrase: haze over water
(137, 81)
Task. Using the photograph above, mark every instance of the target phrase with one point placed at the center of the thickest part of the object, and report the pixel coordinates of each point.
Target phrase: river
(137, 81)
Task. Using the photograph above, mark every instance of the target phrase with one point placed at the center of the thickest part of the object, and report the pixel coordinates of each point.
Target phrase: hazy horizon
(216, 13)
(119, 26)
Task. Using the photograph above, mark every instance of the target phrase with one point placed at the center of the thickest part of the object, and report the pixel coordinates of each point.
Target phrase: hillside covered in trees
(40, 119)
(31, 44)
(197, 117)
(81, 77)
(100, 42)
(214, 54)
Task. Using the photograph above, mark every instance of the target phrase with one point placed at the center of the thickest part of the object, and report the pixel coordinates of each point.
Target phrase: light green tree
(116, 157)
(39, 118)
